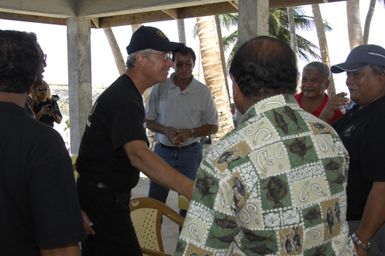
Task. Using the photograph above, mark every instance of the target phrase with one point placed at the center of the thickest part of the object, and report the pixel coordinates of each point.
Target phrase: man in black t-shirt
(39, 208)
(362, 132)
(114, 148)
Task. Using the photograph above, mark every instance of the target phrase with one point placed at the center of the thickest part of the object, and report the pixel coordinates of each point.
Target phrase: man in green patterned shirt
(276, 184)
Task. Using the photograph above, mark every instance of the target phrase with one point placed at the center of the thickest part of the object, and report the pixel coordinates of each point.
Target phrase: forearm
(66, 250)
(205, 130)
(156, 127)
(374, 213)
(326, 115)
(157, 169)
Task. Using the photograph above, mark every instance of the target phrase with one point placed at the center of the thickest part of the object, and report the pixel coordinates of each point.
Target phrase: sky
(53, 40)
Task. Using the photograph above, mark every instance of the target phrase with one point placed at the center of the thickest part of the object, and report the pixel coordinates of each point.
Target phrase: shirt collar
(269, 104)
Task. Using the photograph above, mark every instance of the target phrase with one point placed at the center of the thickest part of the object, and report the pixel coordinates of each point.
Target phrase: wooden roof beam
(288, 3)
(180, 13)
(173, 13)
(33, 18)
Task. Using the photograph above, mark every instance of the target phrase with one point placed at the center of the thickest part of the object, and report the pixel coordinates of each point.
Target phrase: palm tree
(368, 20)
(354, 23)
(118, 57)
(356, 37)
(293, 36)
(278, 28)
(213, 72)
(323, 44)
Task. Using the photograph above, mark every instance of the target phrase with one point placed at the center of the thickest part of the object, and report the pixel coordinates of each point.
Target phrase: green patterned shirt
(273, 186)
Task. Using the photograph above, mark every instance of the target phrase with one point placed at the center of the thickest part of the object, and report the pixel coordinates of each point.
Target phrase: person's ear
(327, 83)
(381, 77)
(236, 89)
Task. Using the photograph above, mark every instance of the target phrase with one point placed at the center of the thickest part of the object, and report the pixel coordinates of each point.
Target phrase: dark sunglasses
(42, 90)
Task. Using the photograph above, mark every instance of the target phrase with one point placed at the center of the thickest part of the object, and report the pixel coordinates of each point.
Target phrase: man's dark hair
(184, 50)
(19, 61)
(265, 66)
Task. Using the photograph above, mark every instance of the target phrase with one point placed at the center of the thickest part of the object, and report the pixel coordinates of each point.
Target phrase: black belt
(176, 147)
(101, 185)
(94, 184)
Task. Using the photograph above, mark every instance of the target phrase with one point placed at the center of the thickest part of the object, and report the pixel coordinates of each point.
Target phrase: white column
(253, 19)
(79, 77)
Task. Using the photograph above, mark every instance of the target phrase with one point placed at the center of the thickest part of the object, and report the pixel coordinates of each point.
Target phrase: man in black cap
(114, 148)
(362, 132)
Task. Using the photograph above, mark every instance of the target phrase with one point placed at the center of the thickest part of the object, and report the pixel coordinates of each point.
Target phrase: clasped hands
(177, 136)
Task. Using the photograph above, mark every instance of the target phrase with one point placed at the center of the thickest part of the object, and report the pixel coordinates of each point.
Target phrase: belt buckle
(102, 185)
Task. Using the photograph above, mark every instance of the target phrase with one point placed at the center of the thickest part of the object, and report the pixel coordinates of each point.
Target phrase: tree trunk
(354, 23)
(323, 44)
(213, 72)
(223, 59)
(293, 36)
(368, 20)
(118, 57)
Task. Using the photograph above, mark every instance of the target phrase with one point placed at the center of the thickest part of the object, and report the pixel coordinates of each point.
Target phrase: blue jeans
(186, 160)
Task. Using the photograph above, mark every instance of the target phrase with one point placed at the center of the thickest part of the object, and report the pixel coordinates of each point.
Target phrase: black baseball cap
(361, 56)
(151, 38)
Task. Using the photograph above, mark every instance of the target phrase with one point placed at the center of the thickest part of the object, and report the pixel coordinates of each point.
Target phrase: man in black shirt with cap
(362, 130)
(114, 147)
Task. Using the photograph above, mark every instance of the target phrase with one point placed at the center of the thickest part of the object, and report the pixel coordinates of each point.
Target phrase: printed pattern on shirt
(273, 186)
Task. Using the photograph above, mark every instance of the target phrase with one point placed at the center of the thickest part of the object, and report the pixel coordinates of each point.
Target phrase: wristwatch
(358, 242)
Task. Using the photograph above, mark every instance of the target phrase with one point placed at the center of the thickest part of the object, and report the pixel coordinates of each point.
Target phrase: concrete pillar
(79, 77)
(253, 19)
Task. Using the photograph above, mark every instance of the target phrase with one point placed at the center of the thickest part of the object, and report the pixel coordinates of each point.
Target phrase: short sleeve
(210, 114)
(152, 103)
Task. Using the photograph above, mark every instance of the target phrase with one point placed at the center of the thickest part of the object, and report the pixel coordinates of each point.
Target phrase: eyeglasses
(165, 55)
(42, 90)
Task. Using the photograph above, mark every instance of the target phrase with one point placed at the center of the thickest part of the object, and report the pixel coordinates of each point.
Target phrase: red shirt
(317, 112)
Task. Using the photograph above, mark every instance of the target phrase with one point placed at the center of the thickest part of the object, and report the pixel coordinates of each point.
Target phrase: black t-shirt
(363, 134)
(47, 119)
(116, 118)
(39, 207)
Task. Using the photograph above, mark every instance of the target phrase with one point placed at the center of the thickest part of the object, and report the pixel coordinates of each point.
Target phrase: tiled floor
(170, 230)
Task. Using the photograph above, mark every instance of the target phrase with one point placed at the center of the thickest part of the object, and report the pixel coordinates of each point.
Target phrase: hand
(43, 111)
(182, 136)
(336, 102)
(171, 133)
(87, 224)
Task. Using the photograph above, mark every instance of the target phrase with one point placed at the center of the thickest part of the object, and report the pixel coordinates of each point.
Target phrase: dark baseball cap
(361, 56)
(151, 38)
